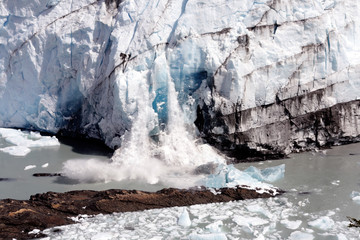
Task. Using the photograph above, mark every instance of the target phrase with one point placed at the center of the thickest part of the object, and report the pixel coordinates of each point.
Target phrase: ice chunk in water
(291, 224)
(52, 3)
(323, 223)
(212, 236)
(270, 174)
(29, 167)
(45, 165)
(301, 236)
(184, 219)
(215, 227)
(18, 151)
(355, 196)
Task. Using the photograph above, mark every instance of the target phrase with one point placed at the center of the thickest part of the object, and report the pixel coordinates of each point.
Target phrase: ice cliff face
(269, 76)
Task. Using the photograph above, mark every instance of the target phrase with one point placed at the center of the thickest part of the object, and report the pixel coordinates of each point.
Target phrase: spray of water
(173, 156)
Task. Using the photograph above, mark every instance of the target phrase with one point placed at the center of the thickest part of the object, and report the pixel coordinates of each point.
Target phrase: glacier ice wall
(246, 72)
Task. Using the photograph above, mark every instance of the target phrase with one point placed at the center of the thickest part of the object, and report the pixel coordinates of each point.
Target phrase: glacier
(262, 78)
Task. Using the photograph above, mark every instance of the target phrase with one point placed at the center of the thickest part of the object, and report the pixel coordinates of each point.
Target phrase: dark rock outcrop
(18, 218)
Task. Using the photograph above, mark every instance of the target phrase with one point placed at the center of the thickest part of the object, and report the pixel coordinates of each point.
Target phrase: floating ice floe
(29, 167)
(45, 165)
(229, 176)
(355, 196)
(301, 236)
(210, 236)
(322, 223)
(18, 151)
(24, 141)
(291, 224)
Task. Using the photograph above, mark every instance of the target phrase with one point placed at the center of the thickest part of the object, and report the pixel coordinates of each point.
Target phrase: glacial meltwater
(321, 191)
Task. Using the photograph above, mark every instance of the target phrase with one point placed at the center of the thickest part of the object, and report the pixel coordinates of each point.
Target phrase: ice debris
(291, 224)
(18, 151)
(322, 223)
(45, 165)
(214, 227)
(24, 140)
(184, 219)
(355, 196)
(301, 236)
(211, 236)
(52, 3)
(29, 167)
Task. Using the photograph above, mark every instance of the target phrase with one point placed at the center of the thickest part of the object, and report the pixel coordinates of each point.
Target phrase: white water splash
(172, 157)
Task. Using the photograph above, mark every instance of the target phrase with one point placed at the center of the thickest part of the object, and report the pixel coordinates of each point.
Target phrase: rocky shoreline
(41, 211)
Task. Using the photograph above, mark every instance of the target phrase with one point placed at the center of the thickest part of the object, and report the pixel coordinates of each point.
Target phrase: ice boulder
(184, 219)
(270, 174)
(323, 223)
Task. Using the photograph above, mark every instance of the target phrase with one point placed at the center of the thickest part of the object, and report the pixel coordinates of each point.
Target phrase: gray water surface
(17, 183)
(323, 180)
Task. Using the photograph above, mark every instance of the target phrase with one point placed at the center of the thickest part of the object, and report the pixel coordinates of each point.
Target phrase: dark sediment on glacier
(290, 125)
(41, 211)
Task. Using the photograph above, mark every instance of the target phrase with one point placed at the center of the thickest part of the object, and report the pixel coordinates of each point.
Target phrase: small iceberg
(184, 219)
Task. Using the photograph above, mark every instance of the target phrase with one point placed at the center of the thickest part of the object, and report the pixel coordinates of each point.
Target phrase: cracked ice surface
(248, 219)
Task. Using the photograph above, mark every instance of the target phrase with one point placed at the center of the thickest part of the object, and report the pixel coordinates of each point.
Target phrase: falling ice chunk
(184, 219)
